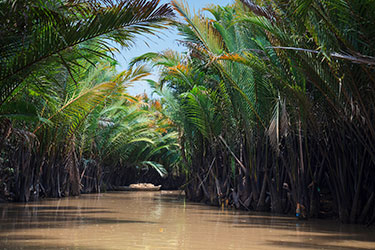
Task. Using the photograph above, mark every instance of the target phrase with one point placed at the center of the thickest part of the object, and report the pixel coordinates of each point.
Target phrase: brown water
(158, 220)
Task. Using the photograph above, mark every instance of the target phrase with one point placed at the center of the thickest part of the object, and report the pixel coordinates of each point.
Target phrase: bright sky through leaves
(166, 41)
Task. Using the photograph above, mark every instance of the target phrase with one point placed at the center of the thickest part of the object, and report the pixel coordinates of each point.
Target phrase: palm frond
(119, 22)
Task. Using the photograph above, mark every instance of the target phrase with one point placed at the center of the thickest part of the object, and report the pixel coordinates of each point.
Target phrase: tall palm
(327, 71)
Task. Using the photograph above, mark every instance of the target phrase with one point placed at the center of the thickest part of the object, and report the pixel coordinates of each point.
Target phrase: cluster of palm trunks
(271, 108)
(275, 106)
(67, 123)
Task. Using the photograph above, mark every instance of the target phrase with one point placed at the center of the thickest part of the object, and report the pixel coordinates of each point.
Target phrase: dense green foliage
(272, 105)
(67, 124)
(274, 102)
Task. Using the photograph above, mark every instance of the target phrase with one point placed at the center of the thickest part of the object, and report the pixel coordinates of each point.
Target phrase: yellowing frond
(202, 27)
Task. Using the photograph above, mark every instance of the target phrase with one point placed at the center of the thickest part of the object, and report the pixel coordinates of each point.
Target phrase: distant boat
(138, 187)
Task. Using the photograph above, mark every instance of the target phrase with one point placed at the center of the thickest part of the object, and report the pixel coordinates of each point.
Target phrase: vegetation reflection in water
(163, 220)
(269, 108)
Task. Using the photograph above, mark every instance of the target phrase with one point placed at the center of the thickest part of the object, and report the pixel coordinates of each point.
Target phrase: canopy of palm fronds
(272, 105)
(67, 122)
(37, 35)
(275, 106)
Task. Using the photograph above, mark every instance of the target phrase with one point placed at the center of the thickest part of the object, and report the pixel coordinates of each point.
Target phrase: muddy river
(163, 220)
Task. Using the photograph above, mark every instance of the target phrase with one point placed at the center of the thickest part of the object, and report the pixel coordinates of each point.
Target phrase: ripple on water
(159, 220)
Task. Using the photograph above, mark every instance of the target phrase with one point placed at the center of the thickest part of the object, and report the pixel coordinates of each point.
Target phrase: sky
(166, 41)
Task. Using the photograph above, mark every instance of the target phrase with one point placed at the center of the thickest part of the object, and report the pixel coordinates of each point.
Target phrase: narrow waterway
(160, 220)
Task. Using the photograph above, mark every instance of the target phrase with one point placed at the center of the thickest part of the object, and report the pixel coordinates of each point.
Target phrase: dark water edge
(164, 220)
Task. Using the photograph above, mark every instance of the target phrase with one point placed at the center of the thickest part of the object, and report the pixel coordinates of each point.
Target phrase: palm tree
(48, 52)
(293, 82)
(42, 34)
(333, 65)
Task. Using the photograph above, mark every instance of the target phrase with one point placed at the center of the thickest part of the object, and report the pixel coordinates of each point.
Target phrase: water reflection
(159, 220)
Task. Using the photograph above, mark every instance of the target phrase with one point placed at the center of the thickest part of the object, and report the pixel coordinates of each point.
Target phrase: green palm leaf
(69, 33)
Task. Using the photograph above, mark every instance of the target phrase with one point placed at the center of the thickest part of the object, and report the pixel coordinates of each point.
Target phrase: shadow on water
(289, 223)
(22, 225)
(32, 217)
(313, 234)
(15, 246)
(17, 219)
(305, 245)
(317, 232)
(30, 247)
